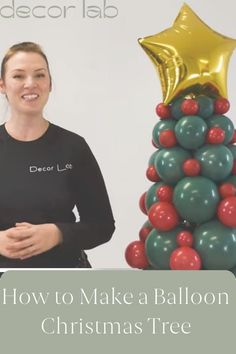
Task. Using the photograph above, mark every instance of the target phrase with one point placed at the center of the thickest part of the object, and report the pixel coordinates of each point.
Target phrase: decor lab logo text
(23, 9)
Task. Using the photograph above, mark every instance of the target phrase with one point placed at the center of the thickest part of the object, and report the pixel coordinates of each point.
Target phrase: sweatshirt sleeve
(96, 224)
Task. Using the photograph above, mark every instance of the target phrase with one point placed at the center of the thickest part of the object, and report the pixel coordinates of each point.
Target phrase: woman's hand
(27, 240)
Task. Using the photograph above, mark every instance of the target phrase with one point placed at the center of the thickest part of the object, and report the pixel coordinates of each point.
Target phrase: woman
(45, 171)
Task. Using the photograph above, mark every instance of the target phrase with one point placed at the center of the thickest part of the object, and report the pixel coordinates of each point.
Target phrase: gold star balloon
(190, 57)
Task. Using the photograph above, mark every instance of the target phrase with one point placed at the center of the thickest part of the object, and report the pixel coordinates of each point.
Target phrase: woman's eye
(41, 75)
(17, 76)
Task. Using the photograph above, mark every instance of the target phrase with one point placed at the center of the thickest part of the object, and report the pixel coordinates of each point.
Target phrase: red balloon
(152, 174)
(185, 258)
(227, 211)
(135, 255)
(185, 238)
(221, 106)
(163, 216)
(234, 168)
(215, 135)
(144, 232)
(165, 193)
(189, 107)
(227, 190)
(163, 111)
(142, 203)
(233, 138)
(191, 167)
(167, 138)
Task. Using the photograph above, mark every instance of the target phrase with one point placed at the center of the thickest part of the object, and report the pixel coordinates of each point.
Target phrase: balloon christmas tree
(191, 205)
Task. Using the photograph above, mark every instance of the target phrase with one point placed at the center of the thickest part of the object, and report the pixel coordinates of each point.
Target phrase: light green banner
(117, 311)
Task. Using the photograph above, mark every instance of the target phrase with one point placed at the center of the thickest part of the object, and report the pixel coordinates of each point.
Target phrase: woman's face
(26, 83)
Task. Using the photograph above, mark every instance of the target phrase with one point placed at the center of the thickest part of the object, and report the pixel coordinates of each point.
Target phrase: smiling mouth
(31, 97)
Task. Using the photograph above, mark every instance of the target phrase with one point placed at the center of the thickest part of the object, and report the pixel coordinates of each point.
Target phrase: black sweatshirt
(41, 181)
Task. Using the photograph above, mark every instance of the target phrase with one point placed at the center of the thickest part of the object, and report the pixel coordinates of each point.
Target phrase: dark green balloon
(152, 157)
(206, 106)
(150, 268)
(151, 196)
(190, 132)
(147, 224)
(233, 270)
(196, 199)
(232, 148)
(159, 246)
(216, 245)
(168, 164)
(176, 109)
(216, 161)
(161, 126)
(224, 123)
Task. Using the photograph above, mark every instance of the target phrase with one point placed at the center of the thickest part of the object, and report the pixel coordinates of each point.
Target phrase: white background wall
(105, 88)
